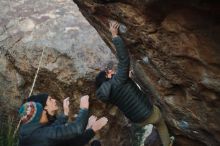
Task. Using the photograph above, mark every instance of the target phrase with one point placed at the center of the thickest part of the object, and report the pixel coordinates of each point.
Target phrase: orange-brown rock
(181, 41)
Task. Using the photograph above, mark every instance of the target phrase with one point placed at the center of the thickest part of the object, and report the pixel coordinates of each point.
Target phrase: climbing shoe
(172, 139)
(152, 136)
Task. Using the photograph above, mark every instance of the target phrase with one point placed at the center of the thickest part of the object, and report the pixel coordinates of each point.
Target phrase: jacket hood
(26, 130)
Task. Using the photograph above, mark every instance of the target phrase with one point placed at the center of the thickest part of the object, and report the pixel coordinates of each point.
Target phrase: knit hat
(100, 78)
(40, 98)
(30, 112)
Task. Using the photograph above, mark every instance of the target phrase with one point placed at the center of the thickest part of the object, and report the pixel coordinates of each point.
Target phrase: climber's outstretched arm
(122, 54)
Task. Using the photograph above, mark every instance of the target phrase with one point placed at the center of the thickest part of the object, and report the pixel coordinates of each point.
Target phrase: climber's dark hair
(100, 78)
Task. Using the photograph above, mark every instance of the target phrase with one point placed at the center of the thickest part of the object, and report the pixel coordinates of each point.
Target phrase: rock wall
(74, 54)
(175, 51)
(73, 49)
(174, 48)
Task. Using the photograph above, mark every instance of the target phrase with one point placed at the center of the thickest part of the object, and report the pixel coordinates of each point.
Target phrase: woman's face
(51, 105)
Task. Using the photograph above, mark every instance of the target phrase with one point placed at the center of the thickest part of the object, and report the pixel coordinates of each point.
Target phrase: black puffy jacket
(122, 91)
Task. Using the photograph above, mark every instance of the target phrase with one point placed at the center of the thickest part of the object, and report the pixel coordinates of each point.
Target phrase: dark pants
(95, 143)
(157, 120)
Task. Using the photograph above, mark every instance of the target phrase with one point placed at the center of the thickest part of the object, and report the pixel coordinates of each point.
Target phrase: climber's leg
(163, 132)
(146, 136)
(156, 119)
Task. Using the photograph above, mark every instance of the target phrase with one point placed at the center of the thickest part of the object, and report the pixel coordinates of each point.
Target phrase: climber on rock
(118, 89)
(40, 126)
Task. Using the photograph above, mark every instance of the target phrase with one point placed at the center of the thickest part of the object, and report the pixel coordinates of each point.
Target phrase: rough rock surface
(73, 49)
(74, 53)
(175, 48)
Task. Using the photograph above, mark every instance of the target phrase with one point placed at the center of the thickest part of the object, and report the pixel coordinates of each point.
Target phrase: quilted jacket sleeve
(61, 119)
(123, 61)
(68, 130)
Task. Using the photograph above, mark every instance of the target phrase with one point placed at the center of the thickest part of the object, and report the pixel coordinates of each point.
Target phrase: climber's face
(110, 73)
(51, 105)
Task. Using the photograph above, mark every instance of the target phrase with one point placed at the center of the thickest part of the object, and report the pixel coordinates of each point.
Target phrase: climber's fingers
(116, 25)
(113, 24)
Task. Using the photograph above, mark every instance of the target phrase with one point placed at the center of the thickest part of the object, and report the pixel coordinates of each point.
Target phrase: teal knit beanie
(30, 112)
